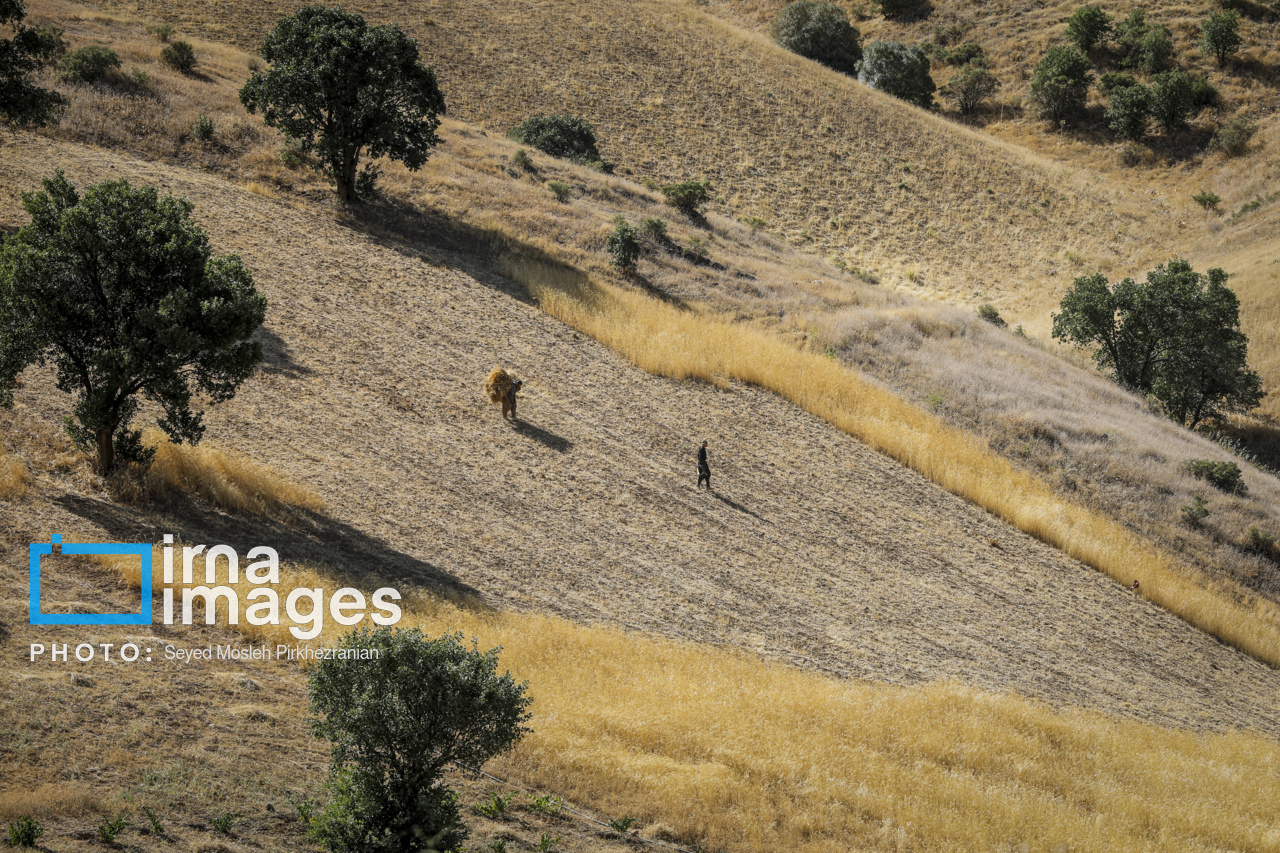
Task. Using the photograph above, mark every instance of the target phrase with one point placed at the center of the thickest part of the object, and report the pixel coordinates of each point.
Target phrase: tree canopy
(1176, 337)
(1060, 83)
(342, 88)
(397, 721)
(899, 70)
(118, 289)
(1088, 27)
(22, 103)
(1220, 35)
(821, 32)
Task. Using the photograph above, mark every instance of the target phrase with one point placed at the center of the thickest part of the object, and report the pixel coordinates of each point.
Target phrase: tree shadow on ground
(316, 540)
(276, 358)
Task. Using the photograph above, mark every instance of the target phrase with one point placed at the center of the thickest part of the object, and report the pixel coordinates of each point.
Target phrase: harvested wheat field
(813, 549)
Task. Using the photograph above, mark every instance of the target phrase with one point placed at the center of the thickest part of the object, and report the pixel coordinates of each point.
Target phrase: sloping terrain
(812, 549)
(835, 167)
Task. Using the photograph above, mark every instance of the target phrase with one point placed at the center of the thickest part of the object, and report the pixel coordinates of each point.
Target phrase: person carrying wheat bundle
(502, 387)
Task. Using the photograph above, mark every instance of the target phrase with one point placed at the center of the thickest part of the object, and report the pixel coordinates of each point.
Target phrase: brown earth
(812, 548)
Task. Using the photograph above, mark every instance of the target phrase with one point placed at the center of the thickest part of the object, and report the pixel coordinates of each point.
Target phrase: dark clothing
(509, 400)
(704, 470)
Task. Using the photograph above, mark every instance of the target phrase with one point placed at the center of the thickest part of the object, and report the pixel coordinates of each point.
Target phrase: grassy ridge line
(666, 341)
(732, 752)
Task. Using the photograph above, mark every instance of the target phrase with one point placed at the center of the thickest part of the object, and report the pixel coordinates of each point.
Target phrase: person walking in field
(704, 469)
(502, 388)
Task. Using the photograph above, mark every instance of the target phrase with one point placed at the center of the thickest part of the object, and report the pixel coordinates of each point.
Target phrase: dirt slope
(676, 93)
(812, 549)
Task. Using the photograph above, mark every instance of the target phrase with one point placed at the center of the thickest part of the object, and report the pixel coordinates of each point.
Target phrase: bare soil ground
(811, 549)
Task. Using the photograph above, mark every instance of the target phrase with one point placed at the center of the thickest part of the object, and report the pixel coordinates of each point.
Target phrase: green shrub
(969, 88)
(180, 56)
(989, 313)
(1206, 199)
(1262, 541)
(1221, 475)
(1232, 138)
(1113, 80)
(622, 824)
(1129, 34)
(223, 822)
(1171, 100)
(1060, 83)
(24, 831)
(162, 32)
(898, 69)
(1088, 27)
(1155, 53)
(88, 64)
(965, 54)
(397, 720)
(522, 160)
(494, 807)
(109, 830)
(138, 77)
(153, 820)
(1220, 35)
(547, 843)
(203, 128)
(1195, 512)
(1128, 111)
(623, 245)
(1133, 154)
(688, 197)
(698, 251)
(564, 136)
(1203, 94)
(819, 31)
(654, 228)
(898, 8)
(546, 805)
(560, 189)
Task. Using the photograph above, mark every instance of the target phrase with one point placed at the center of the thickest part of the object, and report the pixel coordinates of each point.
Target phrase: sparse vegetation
(545, 804)
(564, 136)
(622, 824)
(1224, 476)
(989, 313)
(24, 832)
(495, 807)
(203, 128)
(819, 31)
(1232, 138)
(688, 197)
(1060, 83)
(317, 92)
(522, 161)
(396, 723)
(1220, 35)
(1206, 199)
(560, 190)
(153, 820)
(223, 823)
(88, 64)
(110, 829)
(162, 32)
(623, 246)
(899, 70)
(1196, 511)
(180, 56)
(182, 309)
(547, 842)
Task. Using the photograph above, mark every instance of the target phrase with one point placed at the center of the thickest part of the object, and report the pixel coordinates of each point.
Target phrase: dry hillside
(813, 549)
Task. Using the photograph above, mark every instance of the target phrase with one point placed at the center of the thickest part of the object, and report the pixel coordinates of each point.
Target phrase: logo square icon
(140, 550)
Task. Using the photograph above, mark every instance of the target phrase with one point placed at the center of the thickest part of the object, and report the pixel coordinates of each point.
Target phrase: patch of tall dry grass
(225, 478)
(734, 753)
(664, 340)
(13, 476)
(61, 799)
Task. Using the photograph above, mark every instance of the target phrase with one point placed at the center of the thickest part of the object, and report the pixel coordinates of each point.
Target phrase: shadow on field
(732, 504)
(331, 547)
(542, 436)
(275, 355)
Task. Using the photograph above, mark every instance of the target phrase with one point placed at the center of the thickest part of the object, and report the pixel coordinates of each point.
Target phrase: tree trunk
(106, 450)
(347, 179)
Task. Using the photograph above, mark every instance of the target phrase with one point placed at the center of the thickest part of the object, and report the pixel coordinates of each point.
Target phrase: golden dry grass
(225, 478)
(724, 750)
(664, 340)
(63, 799)
(13, 476)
